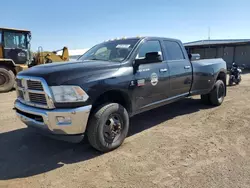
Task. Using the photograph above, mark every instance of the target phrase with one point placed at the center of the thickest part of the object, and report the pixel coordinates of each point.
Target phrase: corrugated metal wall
(220, 52)
(228, 55)
(210, 53)
(242, 55)
(238, 54)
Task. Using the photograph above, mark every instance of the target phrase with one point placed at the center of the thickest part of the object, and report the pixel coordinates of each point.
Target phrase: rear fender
(222, 75)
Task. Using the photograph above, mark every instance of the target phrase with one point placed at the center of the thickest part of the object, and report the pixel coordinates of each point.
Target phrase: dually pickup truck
(96, 95)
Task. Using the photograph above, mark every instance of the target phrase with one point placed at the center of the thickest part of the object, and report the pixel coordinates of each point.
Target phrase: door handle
(187, 67)
(163, 70)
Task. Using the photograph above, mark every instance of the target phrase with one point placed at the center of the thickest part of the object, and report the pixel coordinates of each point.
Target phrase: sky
(80, 24)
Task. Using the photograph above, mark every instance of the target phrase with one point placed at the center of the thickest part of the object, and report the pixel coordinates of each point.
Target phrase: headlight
(69, 94)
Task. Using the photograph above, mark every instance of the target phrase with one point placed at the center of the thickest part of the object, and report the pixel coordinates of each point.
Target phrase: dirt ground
(185, 144)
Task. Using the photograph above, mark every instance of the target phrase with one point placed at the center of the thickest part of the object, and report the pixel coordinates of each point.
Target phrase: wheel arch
(116, 96)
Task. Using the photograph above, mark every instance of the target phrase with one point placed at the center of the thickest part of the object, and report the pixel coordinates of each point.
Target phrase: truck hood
(61, 72)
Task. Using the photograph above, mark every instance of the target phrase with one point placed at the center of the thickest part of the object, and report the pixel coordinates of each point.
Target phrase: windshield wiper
(97, 59)
(93, 59)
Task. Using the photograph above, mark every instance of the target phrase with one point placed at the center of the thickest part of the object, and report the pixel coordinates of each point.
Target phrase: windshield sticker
(154, 79)
(123, 46)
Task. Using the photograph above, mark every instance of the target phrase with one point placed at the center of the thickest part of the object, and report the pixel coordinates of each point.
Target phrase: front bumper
(47, 120)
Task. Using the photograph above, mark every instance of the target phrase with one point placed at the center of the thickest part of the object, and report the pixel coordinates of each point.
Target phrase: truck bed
(205, 72)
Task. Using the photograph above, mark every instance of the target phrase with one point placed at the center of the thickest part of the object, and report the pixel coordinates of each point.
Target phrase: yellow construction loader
(15, 55)
(44, 57)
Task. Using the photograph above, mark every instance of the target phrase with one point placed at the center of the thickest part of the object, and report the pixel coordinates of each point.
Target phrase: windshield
(117, 50)
(15, 40)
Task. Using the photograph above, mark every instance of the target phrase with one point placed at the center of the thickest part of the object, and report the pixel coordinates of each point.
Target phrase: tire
(7, 79)
(205, 99)
(238, 81)
(100, 123)
(217, 95)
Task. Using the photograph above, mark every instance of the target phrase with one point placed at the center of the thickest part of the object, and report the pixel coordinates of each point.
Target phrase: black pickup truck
(113, 81)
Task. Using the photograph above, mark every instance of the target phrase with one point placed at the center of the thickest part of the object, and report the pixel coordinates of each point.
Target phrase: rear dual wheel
(216, 96)
(7, 79)
(108, 127)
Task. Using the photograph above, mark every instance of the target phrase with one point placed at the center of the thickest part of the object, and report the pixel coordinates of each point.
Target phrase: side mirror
(151, 57)
(194, 57)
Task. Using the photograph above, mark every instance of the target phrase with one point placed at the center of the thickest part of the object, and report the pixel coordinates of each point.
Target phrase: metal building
(230, 50)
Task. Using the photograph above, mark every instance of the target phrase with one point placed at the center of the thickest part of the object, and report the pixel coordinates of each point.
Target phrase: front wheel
(108, 127)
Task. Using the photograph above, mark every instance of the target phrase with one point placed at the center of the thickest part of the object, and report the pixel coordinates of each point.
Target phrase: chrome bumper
(47, 119)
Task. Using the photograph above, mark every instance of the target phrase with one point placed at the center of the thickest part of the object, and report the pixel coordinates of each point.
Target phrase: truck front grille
(35, 85)
(38, 98)
(20, 94)
(34, 92)
(19, 83)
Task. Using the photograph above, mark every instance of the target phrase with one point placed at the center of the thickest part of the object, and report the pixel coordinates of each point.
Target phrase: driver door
(152, 79)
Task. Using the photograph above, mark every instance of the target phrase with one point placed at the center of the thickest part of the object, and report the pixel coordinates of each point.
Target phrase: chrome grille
(20, 94)
(19, 83)
(34, 85)
(38, 98)
(34, 92)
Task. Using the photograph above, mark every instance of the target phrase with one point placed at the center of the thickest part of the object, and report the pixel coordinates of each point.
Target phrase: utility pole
(209, 33)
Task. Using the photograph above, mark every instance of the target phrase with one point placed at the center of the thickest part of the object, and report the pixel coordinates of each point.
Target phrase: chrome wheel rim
(113, 128)
(221, 92)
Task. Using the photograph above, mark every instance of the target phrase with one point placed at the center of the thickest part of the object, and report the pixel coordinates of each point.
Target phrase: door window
(147, 47)
(174, 51)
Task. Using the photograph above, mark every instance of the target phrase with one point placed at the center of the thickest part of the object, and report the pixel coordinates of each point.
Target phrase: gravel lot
(185, 144)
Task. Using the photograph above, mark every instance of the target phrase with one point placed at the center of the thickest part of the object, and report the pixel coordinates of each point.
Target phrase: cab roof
(13, 29)
(144, 37)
